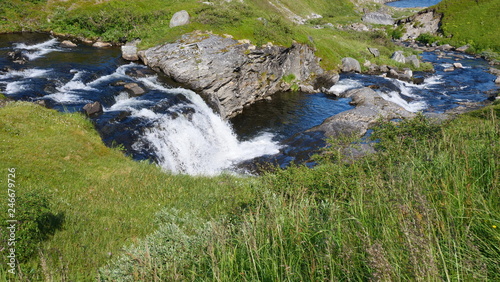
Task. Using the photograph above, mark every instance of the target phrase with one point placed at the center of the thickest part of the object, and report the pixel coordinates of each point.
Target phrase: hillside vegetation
(473, 22)
(260, 21)
(424, 207)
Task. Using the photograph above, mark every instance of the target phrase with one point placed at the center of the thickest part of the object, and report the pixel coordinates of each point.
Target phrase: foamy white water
(36, 51)
(71, 90)
(344, 85)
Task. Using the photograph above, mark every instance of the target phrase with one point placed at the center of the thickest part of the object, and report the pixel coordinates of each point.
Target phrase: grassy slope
(472, 22)
(424, 208)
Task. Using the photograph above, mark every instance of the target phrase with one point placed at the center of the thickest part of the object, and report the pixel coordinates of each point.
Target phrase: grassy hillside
(424, 207)
(473, 22)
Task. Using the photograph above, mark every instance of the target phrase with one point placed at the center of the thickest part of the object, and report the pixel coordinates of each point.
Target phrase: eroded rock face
(378, 18)
(232, 74)
(426, 21)
(369, 108)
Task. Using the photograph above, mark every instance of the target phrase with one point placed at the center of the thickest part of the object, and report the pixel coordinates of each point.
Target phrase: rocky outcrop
(231, 74)
(378, 18)
(369, 108)
(426, 21)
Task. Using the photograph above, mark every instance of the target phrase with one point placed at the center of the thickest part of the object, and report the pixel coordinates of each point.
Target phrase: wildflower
(494, 226)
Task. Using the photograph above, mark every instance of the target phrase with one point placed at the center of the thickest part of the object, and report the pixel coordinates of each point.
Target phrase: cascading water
(175, 128)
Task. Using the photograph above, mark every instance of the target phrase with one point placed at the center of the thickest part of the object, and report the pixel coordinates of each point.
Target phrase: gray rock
(129, 52)
(497, 81)
(68, 44)
(350, 65)
(458, 65)
(369, 108)
(180, 18)
(398, 57)
(445, 47)
(378, 18)
(231, 75)
(93, 109)
(463, 48)
(134, 89)
(413, 59)
(375, 52)
(495, 71)
(384, 68)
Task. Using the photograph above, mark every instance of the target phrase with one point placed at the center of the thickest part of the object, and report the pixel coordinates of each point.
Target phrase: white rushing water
(36, 51)
(406, 89)
(200, 143)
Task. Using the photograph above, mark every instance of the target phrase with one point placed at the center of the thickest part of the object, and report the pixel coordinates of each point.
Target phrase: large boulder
(378, 18)
(231, 74)
(180, 18)
(350, 65)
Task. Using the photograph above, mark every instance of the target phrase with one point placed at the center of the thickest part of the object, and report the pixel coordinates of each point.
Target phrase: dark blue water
(413, 3)
(175, 128)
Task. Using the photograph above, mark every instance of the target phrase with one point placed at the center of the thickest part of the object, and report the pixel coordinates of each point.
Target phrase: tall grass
(425, 207)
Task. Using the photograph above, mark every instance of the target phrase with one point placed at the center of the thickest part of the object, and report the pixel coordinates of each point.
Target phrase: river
(175, 128)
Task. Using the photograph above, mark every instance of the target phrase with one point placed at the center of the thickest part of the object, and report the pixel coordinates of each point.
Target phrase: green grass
(424, 208)
(471, 22)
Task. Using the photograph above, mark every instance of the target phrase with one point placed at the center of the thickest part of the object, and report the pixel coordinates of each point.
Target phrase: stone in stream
(100, 44)
(93, 109)
(370, 107)
(134, 89)
(68, 44)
